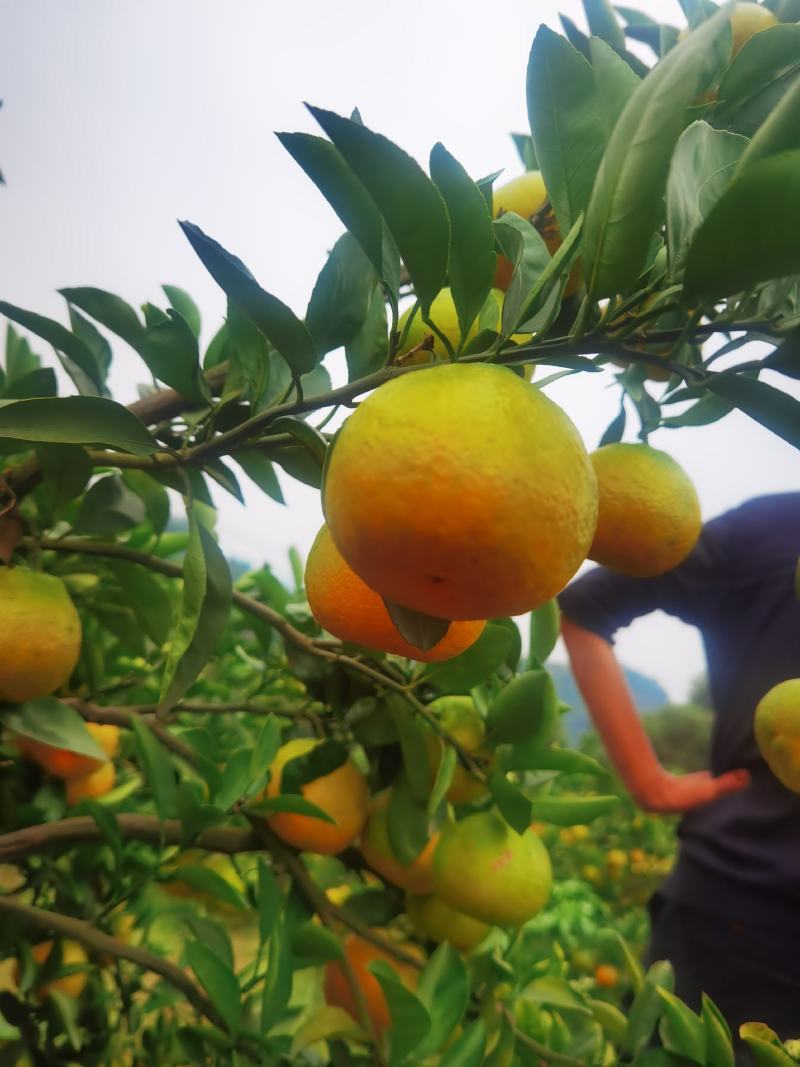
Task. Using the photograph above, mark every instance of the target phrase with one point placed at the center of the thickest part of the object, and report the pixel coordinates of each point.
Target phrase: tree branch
(98, 942)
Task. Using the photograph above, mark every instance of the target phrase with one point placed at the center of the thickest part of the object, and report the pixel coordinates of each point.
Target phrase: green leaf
(39, 382)
(566, 123)
(289, 802)
(471, 263)
(702, 168)
(326, 1024)
(407, 199)
(170, 351)
(571, 811)
(75, 420)
(66, 469)
(344, 192)
(260, 471)
(276, 321)
(647, 1006)
(204, 611)
(757, 78)
(219, 982)
(270, 899)
(213, 934)
(374, 907)
(368, 349)
(180, 300)
(313, 945)
(719, 1050)
(545, 627)
(341, 296)
(109, 310)
(539, 308)
(610, 1018)
(205, 880)
(556, 993)
(603, 23)
(77, 352)
(468, 1049)
(266, 747)
(156, 767)
(410, 1021)
(237, 777)
(478, 662)
(413, 745)
(625, 204)
(511, 802)
(109, 508)
(407, 821)
(524, 246)
(614, 82)
(780, 132)
(153, 496)
(565, 760)
(523, 142)
(770, 407)
(310, 439)
(525, 710)
(149, 600)
(681, 1030)
(278, 984)
(764, 1045)
(443, 990)
(420, 630)
(786, 357)
(319, 761)
(444, 778)
(53, 723)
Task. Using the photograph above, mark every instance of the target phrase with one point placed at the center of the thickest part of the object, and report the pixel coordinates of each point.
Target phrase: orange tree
(191, 888)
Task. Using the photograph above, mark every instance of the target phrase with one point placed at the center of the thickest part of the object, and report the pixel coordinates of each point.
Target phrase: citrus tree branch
(98, 942)
(545, 1054)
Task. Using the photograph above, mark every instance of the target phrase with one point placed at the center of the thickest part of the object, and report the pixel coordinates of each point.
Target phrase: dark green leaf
(39, 382)
(341, 296)
(305, 435)
(276, 321)
(322, 759)
(75, 420)
(109, 507)
(266, 747)
(511, 802)
(313, 945)
(625, 203)
(407, 199)
(289, 802)
(109, 310)
(153, 496)
(205, 880)
(204, 611)
(53, 723)
(156, 767)
(471, 264)
(259, 470)
(65, 343)
(647, 1006)
(409, 1018)
(780, 132)
(545, 627)
(444, 778)
(615, 429)
(170, 351)
(577, 38)
(237, 776)
(66, 468)
(707, 410)
(603, 23)
(181, 301)
(464, 672)
(681, 1030)
(421, 631)
(278, 984)
(757, 78)
(786, 357)
(539, 311)
(521, 243)
(407, 822)
(149, 600)
(270, 899)
(368, 349)
(525, 710)
(468, 1049)
(219, 982)
(443, 990)
(523, 142)
(566, 123)
(413, 745)
(774, 409)
(375, 907)
(222, 474)
(615, 83)
(212, 934)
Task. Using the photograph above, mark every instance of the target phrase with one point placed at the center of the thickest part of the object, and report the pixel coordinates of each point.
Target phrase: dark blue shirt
(739, 856)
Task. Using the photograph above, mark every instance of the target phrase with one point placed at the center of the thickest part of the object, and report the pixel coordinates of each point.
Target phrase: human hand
(672, 793)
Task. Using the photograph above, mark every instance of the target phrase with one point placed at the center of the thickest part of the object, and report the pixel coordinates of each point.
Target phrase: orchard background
(158, 913)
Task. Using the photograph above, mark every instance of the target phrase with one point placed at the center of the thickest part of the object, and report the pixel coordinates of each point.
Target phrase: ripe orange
(461, 719)
(526, 196)
(343, 794)
(485, 869)
(92, 785)
(377, 850)
(343, 605)
(434, 920)
(649, 517)
(777, 730)
(606, 975)
(462, 492)
(360, 954)
(72, 955)
(65, 764)
(41, 635)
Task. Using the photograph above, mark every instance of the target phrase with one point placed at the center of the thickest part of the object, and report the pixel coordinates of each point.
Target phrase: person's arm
(608, 699)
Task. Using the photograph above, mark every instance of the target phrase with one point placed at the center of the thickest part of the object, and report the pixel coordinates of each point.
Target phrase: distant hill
(647, 693)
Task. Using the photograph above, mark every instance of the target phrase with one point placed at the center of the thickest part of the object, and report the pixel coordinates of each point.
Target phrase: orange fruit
(777, 730)
(377, 850)
(41, 635)
(526, 196)
(65, 764)
(462, 492)
(72, 954)
(343, 794)
(746, 21)
(444, 315)
(462, 721)
(93, 785)
(434, 920)
(606, 975)
(488, 871)
(360, 954)
(343, 605)
(649, 516)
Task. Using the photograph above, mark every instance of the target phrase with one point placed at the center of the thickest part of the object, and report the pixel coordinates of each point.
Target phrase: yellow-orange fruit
(343, 794)
(72, 954)
(649, 518)
(443, 313)
(377, 850)
(41, 634)
(346, 607)
(93, 785)
(777, 730)
(434, 920)
(462, 492)
(360, 954)
(65, 764)
(747, 20)
(462, 721)
(485, 869)
(606, 975)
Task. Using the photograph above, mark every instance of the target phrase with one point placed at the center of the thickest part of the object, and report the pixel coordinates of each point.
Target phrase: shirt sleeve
(604, 601)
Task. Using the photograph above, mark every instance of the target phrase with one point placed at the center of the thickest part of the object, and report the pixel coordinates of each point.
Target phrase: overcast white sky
(121, 117)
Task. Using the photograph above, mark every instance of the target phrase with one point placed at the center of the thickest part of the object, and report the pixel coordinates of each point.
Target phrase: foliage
(206, 932)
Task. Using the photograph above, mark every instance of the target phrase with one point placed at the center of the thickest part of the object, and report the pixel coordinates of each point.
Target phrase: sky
(119, 118)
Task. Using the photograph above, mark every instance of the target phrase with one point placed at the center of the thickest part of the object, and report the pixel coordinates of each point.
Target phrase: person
(728, 916)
